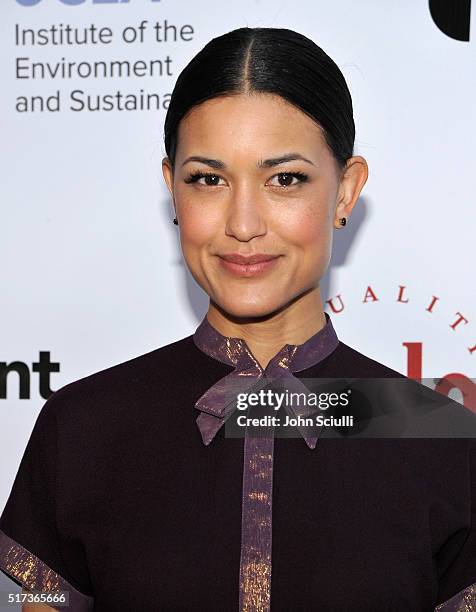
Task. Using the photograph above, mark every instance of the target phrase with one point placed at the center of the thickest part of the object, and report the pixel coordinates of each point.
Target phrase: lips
(247, 259)
(248, 265)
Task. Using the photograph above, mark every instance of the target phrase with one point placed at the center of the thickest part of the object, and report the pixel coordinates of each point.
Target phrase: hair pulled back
(267, 60)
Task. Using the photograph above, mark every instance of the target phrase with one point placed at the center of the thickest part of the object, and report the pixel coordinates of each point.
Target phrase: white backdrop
(92, 272)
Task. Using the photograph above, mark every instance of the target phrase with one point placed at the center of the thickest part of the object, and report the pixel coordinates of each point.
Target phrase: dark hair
(267, 60)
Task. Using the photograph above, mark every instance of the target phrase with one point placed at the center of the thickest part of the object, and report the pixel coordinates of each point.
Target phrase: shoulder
(126, 383)
(347, 361)
(159, 362)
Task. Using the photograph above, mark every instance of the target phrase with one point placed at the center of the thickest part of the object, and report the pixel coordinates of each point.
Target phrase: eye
(287, 177)
(211, 179)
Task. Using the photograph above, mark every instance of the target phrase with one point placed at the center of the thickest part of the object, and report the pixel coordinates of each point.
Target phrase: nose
(245, 216)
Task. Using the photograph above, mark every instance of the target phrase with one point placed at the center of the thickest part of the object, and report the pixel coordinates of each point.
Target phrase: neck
(265, 336)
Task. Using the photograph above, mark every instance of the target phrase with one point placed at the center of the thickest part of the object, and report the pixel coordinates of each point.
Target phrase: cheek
(194, 230)
(306, 227)
(197, 228)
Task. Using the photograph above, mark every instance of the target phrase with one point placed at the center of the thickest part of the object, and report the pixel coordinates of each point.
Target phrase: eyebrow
(263, 163)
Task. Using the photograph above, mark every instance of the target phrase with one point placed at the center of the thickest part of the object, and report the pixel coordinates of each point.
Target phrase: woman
(131, 495)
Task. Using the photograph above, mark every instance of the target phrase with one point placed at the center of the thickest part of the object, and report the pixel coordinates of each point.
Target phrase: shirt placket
(217, 404)
(257, 505)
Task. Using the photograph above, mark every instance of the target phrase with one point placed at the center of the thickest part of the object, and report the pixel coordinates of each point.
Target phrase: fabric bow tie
(219, 402)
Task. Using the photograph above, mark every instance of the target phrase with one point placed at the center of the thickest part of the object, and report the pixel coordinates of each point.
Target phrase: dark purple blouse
(131, 496)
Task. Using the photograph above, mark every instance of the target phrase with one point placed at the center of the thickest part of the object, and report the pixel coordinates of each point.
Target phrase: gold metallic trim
(463, 601)
(33, 574)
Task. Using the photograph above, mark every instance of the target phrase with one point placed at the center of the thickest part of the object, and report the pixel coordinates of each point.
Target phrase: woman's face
(243, 198)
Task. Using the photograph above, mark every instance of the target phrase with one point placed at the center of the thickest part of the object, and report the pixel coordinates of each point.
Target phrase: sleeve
(29, 545)
(456, 560)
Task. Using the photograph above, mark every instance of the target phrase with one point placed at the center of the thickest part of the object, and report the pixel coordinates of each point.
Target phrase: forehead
(248, 124)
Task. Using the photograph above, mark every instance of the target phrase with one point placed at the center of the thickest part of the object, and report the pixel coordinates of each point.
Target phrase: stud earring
(175, 221)
(343, 221)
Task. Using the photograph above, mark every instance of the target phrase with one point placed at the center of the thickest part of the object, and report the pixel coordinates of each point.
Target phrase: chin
(249, 309)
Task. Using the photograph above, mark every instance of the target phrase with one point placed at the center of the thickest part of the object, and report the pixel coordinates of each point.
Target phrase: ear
(168, 173)
(354, 177)
(168, 177)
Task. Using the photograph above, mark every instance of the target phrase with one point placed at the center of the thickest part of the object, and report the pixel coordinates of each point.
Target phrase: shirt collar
(213, 405)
